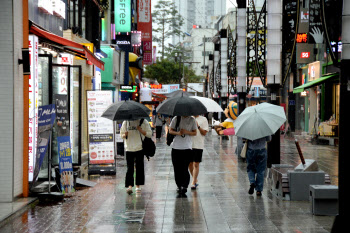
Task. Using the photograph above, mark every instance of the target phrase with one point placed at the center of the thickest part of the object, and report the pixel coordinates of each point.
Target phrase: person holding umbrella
(255, 125)
(133, 134)
(183, 127)
(158, 123)
(182, 149)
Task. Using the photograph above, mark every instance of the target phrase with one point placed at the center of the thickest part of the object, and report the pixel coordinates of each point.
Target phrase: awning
(67, 45)
(316, 82)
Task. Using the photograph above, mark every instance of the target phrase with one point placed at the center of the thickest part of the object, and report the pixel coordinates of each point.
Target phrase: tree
(167, 71)
(166, 22)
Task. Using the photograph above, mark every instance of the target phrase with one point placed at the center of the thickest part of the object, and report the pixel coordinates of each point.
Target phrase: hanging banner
(122, 15)
(147, 53)
(101, 130)
(33, 103)
(315, 22)
(46, 119)
(144, 19)
(154, 54)
(65, 164)
(62, 115)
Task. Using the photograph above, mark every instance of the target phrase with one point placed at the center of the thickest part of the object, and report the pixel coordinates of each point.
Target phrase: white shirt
(133, 141)
(198, 140)
(183, 142)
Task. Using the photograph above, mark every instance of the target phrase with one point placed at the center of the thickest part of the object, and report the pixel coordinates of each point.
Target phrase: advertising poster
(315, 22)
(101, 130)
(65, 164)
(144, 19)
(33, 104)
(147, 53)
(62, 115)
(47, 115)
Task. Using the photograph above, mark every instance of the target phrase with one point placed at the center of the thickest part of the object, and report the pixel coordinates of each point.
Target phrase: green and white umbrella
(259, 121)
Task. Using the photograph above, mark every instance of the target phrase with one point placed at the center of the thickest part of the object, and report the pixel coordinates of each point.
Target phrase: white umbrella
(259, 121)
(210, 104)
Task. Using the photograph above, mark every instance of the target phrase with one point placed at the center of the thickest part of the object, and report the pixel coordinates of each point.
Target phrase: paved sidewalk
(220, 204)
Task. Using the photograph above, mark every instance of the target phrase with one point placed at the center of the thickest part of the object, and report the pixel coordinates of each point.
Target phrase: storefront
(58, 78)
(320, 100)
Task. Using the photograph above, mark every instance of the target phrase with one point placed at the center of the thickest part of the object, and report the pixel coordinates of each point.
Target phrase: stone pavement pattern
(220, 204)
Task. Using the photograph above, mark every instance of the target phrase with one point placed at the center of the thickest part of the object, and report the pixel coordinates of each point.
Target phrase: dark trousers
(131, 158)
(181, 161)
(159, 131)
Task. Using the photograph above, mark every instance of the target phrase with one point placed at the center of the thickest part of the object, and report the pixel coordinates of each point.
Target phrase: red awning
(68, 44)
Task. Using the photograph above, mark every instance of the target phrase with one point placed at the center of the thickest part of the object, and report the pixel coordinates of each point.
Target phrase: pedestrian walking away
(132, 132)
(181, 150)
(197, 148)
(158, 123)
(256, 163)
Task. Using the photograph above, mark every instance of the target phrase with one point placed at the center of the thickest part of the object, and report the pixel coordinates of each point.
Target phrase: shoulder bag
(148, 146)
(170, 137)
(244, 150)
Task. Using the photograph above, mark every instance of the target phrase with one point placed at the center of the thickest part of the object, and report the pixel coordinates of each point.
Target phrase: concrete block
(299, 183)
(310, 165)
(324, 200)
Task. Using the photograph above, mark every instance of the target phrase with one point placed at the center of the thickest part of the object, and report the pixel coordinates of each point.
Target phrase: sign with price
(65, 164)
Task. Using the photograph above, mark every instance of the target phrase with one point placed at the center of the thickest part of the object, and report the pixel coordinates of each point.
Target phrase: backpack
(170, 137)
(148, 146)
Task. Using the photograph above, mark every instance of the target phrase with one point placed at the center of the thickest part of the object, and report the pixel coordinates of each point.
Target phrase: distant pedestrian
(256, 163)
(132, 132)
(197, 148)
(182, 149)
(158, 123)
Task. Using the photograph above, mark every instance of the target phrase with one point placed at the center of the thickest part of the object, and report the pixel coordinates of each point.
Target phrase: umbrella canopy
(126, 110)
(181, 106)
(178, 93)
(210, 104)
(259, 121)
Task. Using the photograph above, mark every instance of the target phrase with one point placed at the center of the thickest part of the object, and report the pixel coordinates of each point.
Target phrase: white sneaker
(138, 190)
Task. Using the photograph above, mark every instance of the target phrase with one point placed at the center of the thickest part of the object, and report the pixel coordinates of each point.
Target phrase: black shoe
(251, 189)
(258, 193)
(178, 190)
(183, 190)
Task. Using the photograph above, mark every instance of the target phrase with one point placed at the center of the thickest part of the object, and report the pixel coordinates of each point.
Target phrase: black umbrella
(181, 106)
(178, 93)
(126, 110)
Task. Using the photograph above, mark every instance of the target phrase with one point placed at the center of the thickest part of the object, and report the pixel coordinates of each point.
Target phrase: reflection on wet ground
(220, 204)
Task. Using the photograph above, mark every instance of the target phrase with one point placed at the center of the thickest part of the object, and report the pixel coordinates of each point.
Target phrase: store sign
(124, 42)
(167, 88)
(334, 45)
(302, 38)
(63, 80)
(89, 46)
(128, 88)
(155, 86)
(33, 103)
(122, 9)
(145, 94)
(101, 130)
(65, 59)
(46, 6)
(136, 38)
(147, 52)
(144, 19)
(304, 54)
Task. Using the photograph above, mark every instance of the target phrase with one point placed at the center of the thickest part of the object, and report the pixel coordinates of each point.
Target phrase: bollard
(300, 152)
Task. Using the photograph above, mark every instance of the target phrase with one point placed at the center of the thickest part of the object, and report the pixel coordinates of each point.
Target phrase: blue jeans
(256, 160)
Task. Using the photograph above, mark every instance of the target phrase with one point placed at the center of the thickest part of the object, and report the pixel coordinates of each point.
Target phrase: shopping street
(220, 203)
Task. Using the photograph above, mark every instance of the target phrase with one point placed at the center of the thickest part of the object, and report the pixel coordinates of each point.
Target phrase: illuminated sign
(128, 88)
(340, 46)
(155, 86)
(304, 54)
(122, 9)
(89, 46)
(136, 38)
(303, 93)
(124, 41)
(302, 38)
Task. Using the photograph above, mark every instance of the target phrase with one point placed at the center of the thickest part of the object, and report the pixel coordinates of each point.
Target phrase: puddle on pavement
(130, 216)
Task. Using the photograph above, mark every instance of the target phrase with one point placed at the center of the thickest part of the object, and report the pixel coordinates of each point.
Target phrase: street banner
(144, 19)
(101, 130)
(62, 115)
(315, 22)
(46, 120)
(65, 164)
(147, 53)
(33, 103)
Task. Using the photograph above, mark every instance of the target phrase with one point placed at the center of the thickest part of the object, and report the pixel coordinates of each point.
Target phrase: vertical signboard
(101, 130)
(147, 52)
(144, 19)
(154, 54)
(33, 103)
(315, 22)
(122, 15)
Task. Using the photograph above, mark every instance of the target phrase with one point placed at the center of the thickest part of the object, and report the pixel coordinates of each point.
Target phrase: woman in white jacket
(132, 132)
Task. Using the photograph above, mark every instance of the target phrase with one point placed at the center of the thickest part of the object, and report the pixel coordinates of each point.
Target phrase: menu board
(101, 130)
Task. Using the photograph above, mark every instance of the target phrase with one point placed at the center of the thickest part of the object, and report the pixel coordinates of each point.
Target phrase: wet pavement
(220, 203)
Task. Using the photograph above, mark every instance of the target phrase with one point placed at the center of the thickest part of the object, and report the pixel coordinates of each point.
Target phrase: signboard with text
(101, 130)
(144, 19)
(65, 164)
(122, 15)
(304, 53)
(147, 53)
(315, 22)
